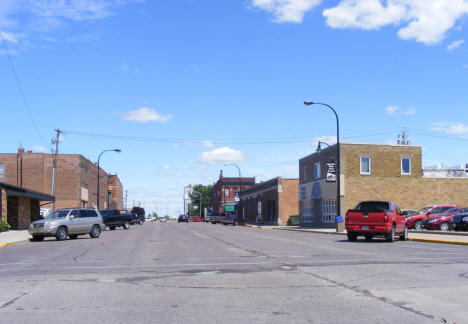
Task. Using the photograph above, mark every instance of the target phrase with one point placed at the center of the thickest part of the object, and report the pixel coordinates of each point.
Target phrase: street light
(118, 151)
(240, 189)
(338, 193)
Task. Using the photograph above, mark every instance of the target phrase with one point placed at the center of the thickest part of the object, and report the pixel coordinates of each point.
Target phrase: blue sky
(183, 86)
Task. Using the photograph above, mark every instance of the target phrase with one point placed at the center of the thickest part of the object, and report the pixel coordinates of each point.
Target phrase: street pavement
(19, 236)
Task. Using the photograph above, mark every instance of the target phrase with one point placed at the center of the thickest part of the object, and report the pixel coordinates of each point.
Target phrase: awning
(14, 191)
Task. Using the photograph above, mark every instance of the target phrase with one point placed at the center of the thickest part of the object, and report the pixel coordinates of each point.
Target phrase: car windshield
(58, 214)
(449, 212)
(423, 211)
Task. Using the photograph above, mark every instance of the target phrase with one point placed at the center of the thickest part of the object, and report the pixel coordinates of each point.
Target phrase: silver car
(69, 222)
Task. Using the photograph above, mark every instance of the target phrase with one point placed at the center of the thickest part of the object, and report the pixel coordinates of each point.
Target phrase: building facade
(222, 192)
(188, 190)
(115, 192)
(75, 178)
(271, 202)
(372, 172)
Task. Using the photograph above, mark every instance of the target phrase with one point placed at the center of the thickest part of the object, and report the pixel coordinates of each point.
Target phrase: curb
(5, 244)
(437, 241)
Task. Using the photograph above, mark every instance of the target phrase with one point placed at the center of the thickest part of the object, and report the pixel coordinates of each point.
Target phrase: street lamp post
(338, 192)
(98, 180)
(240, 189)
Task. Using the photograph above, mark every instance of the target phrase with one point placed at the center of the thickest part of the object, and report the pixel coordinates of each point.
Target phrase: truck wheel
(126, 225)
(391, 235)
(95, 231)
(38, 238)
(61, 234)
(369, 237)
(352, 237)
(417, 225)
(404, 236)
(140, 222)
(112, 228)
(444, 226)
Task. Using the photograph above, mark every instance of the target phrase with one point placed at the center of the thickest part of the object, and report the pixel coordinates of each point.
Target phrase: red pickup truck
(376, 218)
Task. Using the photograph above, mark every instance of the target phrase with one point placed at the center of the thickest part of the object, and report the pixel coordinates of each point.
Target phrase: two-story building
(372, 171)
(222, 192)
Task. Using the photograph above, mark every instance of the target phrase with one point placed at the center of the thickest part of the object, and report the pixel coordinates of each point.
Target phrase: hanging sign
(331, 172)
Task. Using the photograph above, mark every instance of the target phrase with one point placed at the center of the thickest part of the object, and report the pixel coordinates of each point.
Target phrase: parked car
(415, 221)
(115, 218)
(459, 222)
(182, 218)
(69, 222)
(216, 217)
(372, 218)
(232, 219)
(207, 217)
(149, 219)
(162, 219)
(196, 219)
(442, 222)
(408, 212)
(137, 219)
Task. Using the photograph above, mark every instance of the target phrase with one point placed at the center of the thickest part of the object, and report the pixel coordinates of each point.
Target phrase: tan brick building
(75, 183)
(271, 202)
(372, 171)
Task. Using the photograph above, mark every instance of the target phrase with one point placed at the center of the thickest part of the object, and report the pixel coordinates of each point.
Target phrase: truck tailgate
(354, 216)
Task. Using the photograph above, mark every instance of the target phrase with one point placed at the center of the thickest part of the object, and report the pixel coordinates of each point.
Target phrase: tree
(195, 198)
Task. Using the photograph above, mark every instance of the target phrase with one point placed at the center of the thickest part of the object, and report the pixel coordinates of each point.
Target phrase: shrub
(5, 226)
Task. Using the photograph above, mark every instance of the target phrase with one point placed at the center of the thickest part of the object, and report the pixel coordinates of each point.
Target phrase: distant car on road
(232, 219)
(162, 219)
(207, 217)
(196, 219)
(149, 219)
(182, 218)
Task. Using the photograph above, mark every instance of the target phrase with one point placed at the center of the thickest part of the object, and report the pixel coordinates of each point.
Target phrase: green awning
(229, 208)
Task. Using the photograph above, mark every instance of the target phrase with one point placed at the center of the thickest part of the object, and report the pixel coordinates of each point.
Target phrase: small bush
(5, 226)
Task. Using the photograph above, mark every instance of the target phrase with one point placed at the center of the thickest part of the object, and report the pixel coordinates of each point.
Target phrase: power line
(21, 90)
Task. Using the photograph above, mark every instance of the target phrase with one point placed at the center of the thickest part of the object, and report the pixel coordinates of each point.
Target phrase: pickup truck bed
(376, 218)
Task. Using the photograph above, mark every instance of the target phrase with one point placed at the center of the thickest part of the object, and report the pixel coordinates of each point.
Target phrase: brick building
(19, 206)
(271, 202)
(372, 171)
(222, 192)
(115, 192)
(75, 182)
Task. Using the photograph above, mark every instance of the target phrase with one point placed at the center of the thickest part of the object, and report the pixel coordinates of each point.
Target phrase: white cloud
(286, 10)
(426, 21)
(39, 149)
(391, 110)
(207, 143)
(222, 155)
(144, 115)
(83, 38)
(455, 44)
(10, 37)
(457, 129)
(410, 111)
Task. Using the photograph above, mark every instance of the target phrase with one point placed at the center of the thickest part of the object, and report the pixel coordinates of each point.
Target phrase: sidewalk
(451, 237)
(14, 236)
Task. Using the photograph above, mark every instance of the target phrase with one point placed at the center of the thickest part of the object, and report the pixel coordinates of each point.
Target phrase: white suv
(69, 222)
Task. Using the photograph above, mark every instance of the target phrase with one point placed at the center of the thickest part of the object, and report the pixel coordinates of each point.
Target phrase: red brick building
(222, 192)
(115, 192)
(271, 202)
(75, 181)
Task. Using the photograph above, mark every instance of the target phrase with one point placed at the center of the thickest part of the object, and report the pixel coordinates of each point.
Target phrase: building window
(365, 165)
(317, 170)
(306, 210)
(328, 210)
(405, 165)
(109, 194)
(226, 192)
(2, 170)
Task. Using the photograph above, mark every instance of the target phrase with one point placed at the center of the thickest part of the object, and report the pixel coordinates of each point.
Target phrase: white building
(188, 189)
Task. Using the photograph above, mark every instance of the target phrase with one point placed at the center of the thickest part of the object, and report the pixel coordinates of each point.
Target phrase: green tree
(195, 197)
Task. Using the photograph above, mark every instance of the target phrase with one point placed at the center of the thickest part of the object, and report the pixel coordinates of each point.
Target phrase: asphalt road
(204, 273)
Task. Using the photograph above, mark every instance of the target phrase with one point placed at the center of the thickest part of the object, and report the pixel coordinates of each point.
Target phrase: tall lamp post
(338, 193)
(98, 180)
(240, 189)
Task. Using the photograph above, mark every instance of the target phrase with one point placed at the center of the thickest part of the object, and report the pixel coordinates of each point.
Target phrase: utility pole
(54, 171)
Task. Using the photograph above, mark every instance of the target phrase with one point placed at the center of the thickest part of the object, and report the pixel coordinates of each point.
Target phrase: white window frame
(328, 210)
(2, 170)
(306, 211)
(360, 164)
(317, 170)
(406, 158)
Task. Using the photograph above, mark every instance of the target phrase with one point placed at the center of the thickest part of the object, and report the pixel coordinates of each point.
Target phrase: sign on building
(331, 172)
